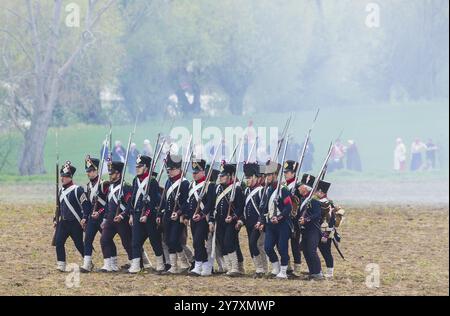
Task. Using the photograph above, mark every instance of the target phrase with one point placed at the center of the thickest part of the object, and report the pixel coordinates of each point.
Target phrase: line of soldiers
(272, 219)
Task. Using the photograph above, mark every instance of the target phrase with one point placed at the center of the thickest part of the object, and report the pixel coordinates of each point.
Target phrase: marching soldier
(226, 218)
(253, 195)
(115, 224)
(73, 204)
(96, 192)
(143, 214)
(175, 196)
(290, 171)
(310, 218)
(275, 219)
(197, 215)
(331, 218)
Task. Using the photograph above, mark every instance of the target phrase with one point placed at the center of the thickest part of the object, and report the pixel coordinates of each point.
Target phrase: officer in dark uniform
(143, 214)
(310, 218)
(227, 224)
(275, 218)
(115, 224)
(96, 192)
(331, 215)
(73, 204)
(253, 195)
(174, 200)
(290, 171)
(198, 217)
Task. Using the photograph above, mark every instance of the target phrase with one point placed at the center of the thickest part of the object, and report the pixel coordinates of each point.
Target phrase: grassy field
(373, 128)
(409, 244)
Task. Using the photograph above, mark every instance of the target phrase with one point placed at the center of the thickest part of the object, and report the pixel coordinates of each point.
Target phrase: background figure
(293, 151)
(147, 149)
(132, 157)
(417, 147)
(353, 158)
(118, 153)
(309, 157)
(400, 155)
(431, 154)
(337, 156)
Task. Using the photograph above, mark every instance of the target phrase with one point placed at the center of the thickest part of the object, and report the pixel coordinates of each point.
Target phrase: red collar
(94, 180)
(274, 184)
(68, 185)
(202, 179)
(176, 178)
(143, 176)
(290, 181)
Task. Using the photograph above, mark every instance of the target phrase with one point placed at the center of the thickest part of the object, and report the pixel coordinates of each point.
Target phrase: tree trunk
(32, 161)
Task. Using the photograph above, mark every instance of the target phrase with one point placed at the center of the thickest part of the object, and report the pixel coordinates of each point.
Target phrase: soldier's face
(140, 170)
(288, 175)
(174, 172)
(252, 181)
(198, 175)
(114, 176)
(270, 178)
(224, 179)
(303, 190)
(92, 174)
(320, 194)
(65, 180)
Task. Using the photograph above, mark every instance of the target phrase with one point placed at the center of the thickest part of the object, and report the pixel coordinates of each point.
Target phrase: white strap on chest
(172, 188)
(112, 194)
(250, 198)
(223, 194)
(272, 211)
(194, 191)
(142, 188)
(291, 186)
(63, 197)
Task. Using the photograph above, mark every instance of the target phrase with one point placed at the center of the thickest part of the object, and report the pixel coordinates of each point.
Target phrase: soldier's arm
(183, 198)
(155, 197)
(239, 203)
(129, 206)
(86, 206)
(210, 200)
(126, 201)
(314, 212)
(164, 201)
(104, 196)
(285, 204)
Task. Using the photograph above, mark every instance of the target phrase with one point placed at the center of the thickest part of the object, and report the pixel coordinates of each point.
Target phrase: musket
(233, 153)
(233, 190)
(100, 174)
(280, 173)
(183, 172)
(316, 183)
(305, 146)
(57, 204)
(249, 156)
(122, 178)
(208, 177)
(283, 136)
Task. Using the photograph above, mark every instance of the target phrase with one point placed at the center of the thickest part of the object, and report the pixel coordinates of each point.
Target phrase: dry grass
(409, 244)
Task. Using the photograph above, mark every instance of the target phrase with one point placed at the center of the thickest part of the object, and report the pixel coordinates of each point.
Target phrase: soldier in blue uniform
(174, 200)
(253, 195)
(73, 204)
(331, 218)
(290, 171)
(96, 193)
(198, 217)
(310, 218)
(275, 218)
(143, 215)
(115, 220)
(226, 224)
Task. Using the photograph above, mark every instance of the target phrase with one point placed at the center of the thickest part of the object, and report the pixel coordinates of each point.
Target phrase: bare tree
(48, 72)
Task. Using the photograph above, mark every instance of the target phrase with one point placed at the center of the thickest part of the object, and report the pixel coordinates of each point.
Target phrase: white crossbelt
(272, 211)
(194, 191)
(223, 194)
(94, 190)
(63, 197)
(112, 195)
(142, 188)
(250, 198)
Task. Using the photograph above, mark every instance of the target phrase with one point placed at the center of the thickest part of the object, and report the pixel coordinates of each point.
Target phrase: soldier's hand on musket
(130, 221)
(239, 224)
(54, 224)
(274, 220)
(302, 221)
(211, 227)
(229, 219)
(174, 216)
(83, 223)
(196, 217)
(261, 227)
(186, 221)
(95, 215)
(158, 221)
(257, 225)
(102, 225)
(143, 219)
(118, 219)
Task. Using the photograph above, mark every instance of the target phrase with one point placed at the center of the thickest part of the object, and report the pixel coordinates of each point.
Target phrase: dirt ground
(409, 245)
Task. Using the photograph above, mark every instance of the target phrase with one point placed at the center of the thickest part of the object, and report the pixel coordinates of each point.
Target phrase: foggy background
(378, 70)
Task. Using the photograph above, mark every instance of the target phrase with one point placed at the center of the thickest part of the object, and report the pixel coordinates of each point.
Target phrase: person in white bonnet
(399, 155)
